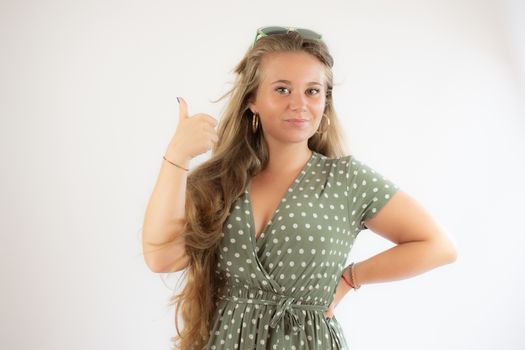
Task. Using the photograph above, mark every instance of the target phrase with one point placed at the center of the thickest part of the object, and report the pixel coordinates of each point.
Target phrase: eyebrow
(289, 82)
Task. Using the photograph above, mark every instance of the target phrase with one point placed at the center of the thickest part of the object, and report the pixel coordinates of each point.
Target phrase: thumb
(183, 108)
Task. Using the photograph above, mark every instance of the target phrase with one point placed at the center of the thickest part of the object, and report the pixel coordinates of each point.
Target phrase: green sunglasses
(303, 32)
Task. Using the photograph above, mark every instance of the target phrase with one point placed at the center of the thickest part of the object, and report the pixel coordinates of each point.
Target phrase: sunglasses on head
(303, 32)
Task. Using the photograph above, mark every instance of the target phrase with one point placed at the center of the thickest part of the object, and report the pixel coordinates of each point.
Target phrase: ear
(252, 107)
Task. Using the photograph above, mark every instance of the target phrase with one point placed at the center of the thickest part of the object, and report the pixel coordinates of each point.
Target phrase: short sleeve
(368, 191)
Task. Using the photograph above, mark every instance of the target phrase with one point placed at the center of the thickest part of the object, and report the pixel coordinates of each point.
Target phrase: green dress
(275, 289)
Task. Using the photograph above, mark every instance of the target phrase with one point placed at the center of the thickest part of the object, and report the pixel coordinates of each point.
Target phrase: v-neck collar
(298, 178)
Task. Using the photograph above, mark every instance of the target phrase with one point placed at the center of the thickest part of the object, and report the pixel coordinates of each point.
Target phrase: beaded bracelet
(352, 283)
(354, 280)
(178, 166)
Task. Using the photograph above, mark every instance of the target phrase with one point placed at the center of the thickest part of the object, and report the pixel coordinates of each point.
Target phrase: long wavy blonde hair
(214, 185)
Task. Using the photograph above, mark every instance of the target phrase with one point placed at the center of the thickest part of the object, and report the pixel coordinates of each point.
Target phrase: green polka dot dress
(276, 288)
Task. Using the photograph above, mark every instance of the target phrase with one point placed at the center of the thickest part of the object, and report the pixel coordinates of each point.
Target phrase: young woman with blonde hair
(264, 227)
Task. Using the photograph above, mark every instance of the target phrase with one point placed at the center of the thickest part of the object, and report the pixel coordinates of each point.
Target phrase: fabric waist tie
(286, 308)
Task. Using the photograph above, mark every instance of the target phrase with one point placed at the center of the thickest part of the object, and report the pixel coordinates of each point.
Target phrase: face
(291, 97)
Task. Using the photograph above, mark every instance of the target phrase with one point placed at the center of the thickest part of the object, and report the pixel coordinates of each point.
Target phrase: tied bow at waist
(285, 310)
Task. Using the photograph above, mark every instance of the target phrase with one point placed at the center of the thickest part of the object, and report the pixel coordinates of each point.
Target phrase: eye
(312, 91)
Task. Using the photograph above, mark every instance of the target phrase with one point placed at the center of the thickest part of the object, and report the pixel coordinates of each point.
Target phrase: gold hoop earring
(328, 121)
(255, 123)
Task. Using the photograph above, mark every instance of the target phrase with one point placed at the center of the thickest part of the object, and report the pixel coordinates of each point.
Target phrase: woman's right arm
(164, 215)
(165, 212)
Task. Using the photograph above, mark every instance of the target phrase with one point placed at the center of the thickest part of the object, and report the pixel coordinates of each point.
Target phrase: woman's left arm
(421, 245)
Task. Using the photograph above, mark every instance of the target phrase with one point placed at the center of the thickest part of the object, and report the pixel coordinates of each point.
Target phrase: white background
(431, 94)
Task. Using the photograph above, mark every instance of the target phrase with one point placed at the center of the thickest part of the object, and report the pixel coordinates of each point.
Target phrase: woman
(265, 226)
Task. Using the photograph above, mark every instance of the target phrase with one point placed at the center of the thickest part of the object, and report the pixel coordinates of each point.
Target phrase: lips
(297, 122)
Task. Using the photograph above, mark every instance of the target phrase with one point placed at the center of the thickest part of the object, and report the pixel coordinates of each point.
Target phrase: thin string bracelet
(347, 281)
(178, 166)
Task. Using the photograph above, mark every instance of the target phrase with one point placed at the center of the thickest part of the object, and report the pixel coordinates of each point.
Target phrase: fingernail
(178, 100)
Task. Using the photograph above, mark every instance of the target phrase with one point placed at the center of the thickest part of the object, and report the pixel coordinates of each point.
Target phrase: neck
(287, 159)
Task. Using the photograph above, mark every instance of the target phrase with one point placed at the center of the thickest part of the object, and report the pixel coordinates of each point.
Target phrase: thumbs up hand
(194, 134)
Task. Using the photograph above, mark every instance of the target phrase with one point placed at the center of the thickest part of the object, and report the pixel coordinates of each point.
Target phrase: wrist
(178, 159)
(175, 155)
(352, 271)
(347, 278)
(350, 278)
(347, 283)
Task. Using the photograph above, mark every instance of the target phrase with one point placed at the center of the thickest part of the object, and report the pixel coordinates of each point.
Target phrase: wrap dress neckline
(258, 239)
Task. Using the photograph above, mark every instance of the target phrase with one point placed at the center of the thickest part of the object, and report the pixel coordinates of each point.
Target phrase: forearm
(165, 209)
(164, 217)
(401, 261)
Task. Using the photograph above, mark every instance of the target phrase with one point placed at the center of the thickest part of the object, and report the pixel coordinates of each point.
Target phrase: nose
(298, 101)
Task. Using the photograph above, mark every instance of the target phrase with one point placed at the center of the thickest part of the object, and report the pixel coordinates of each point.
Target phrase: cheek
(320, 106)
(271, 103)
